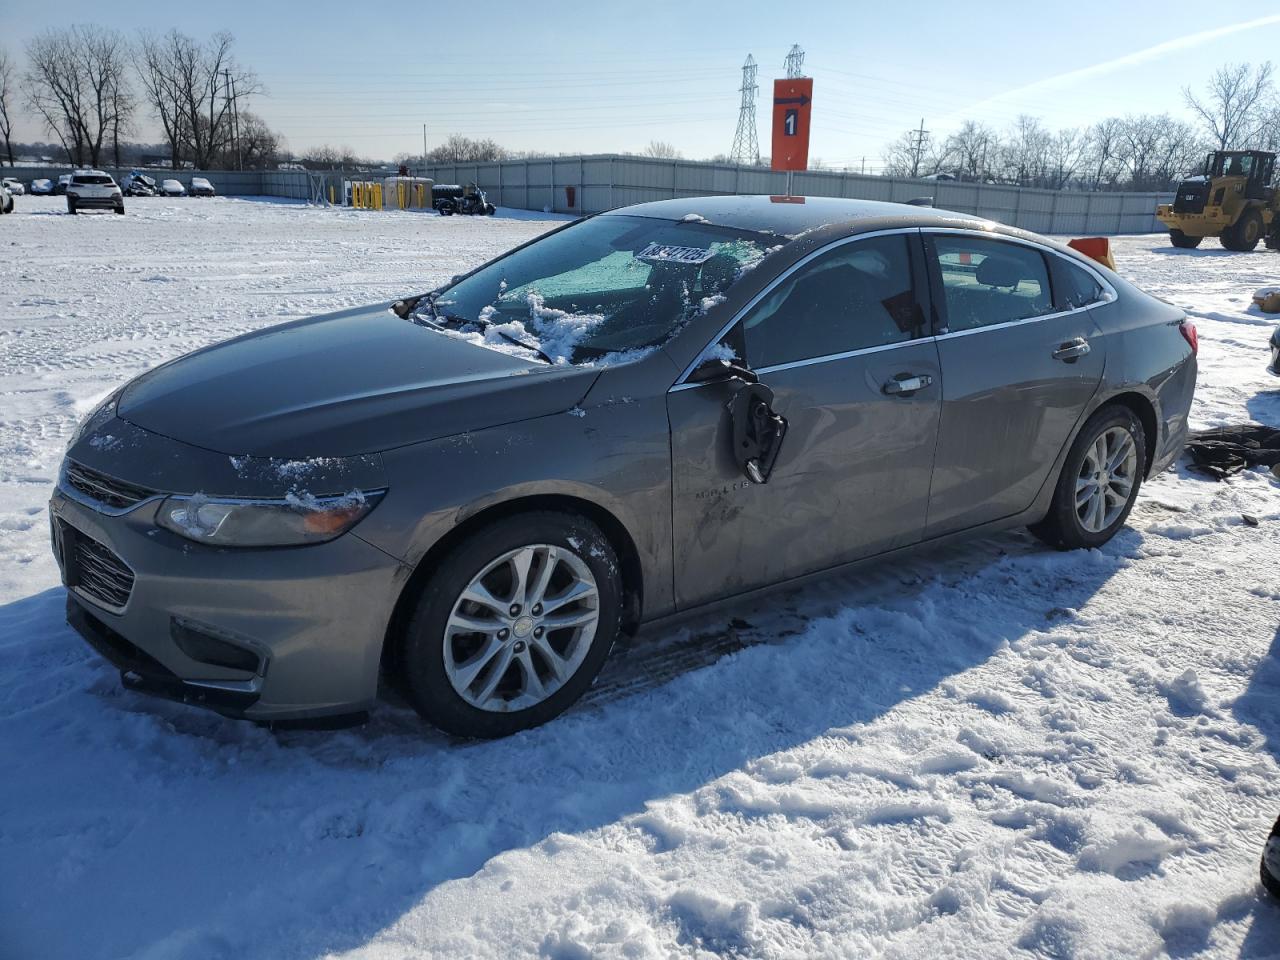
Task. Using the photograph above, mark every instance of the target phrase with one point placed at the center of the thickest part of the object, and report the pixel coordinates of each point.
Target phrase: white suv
(93, 188)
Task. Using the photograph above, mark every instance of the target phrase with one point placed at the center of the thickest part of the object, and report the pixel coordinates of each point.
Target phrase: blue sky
(605, 77)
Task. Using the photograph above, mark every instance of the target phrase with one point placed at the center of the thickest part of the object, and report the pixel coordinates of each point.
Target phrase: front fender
(615, 456)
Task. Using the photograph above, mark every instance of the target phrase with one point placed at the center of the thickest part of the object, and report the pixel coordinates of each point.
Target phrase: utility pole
(864, 166)
(746, 147)
(229, 95)
(921, 138)
(424, 149)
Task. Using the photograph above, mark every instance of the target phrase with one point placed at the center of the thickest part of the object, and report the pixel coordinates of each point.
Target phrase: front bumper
(106, 203)
(314, 617)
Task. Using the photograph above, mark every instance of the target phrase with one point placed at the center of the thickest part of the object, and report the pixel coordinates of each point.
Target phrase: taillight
(1188, 331)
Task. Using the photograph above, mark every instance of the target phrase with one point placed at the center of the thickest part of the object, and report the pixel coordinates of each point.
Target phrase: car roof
(790, 216)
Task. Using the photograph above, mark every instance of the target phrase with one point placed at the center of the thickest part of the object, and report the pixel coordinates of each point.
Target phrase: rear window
(986, 282)
(92, 180)
(1076, 286)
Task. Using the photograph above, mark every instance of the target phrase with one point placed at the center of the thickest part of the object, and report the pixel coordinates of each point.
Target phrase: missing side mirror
(757, 432)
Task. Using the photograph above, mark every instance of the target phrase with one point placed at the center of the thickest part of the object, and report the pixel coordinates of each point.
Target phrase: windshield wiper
(448, 319)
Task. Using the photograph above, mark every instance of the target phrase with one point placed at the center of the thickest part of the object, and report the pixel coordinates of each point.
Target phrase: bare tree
(1105, 167)
(1232, 110)
(258, 145)
(157, 70)
(8, 93)
(197, 91)
(661, 150)
(1025, 152)
(1068, 151)
(76, 81)
(972, 150)
(460, 149)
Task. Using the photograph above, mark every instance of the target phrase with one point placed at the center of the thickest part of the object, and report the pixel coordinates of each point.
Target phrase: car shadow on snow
(1264, 406)
(335, 835)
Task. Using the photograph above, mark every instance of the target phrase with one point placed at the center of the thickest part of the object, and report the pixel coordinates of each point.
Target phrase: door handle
(1072, 350)
(905, 384)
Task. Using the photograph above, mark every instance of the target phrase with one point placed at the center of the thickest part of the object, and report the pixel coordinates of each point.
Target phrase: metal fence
(591, 184)
(228, 183)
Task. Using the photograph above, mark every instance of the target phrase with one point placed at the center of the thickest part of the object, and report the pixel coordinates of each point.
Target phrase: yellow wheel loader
(1233, 199)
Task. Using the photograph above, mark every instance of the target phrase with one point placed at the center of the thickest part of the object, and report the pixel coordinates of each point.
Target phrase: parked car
(1275, 352)
(60, 187)
(476, 491)
(93, 189)
(6, 199)
(172, 188)
(41, 187)
(138, 185)
(200, 187)
(14, 186)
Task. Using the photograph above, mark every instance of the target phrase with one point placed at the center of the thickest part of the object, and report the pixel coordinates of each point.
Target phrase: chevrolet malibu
(476, 491)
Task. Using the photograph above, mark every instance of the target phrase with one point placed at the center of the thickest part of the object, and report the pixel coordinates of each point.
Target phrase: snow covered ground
(992, 751)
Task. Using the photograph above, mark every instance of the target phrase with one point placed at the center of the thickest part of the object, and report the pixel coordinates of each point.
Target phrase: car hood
(355, 382)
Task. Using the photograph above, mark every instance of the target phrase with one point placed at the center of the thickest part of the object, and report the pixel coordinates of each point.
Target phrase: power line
(746, 147)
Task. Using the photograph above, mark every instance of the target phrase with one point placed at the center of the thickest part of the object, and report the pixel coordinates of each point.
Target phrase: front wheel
(71, 208)
(1099, 482)
(513, 626)
(1182, 241)
(1244, 236)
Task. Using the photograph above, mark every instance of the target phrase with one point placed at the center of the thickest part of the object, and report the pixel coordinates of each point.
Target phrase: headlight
(293, 521)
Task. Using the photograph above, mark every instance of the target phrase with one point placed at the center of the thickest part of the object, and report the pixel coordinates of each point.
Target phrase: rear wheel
(120, 209)
(1182, 241)
(1244, 236)
(1099, 482)
(446, 209)
(513, 626)
(71, 207)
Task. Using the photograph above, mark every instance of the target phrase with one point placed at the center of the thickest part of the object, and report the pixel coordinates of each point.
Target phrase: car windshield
(613, 287)
(92, 179)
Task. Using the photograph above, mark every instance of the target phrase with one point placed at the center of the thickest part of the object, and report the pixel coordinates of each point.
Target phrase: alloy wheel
(1106, 479)
(521, 628)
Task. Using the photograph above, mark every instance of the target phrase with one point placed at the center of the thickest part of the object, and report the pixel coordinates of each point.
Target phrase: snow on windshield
(607, 291)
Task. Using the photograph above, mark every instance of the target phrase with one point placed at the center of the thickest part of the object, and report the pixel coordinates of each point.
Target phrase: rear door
(835, 340)
(1019, 369)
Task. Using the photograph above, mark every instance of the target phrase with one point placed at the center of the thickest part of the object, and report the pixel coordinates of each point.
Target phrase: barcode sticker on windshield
(666, 253)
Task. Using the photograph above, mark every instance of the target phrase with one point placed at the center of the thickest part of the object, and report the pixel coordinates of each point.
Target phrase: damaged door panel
(848, 430)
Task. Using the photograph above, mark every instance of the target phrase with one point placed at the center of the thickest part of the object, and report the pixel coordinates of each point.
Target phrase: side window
(856, 296)
(985, 282)
(1075, 286)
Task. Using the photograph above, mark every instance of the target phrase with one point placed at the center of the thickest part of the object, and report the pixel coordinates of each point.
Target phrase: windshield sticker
(667, 253)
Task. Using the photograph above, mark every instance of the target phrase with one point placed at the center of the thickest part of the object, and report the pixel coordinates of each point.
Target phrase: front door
(1018, 373)
(838, 340)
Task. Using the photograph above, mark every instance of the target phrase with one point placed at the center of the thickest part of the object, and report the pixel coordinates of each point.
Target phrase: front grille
(1191, 197)
(103, 489)
(95, 571)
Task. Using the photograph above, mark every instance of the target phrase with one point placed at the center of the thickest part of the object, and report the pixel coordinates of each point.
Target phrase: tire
(1270, 881)
(447, 210)
(430, 651)
(1063, 527)
(71, 208)
(1244, 236)
(1182, 241)
(120, 209)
